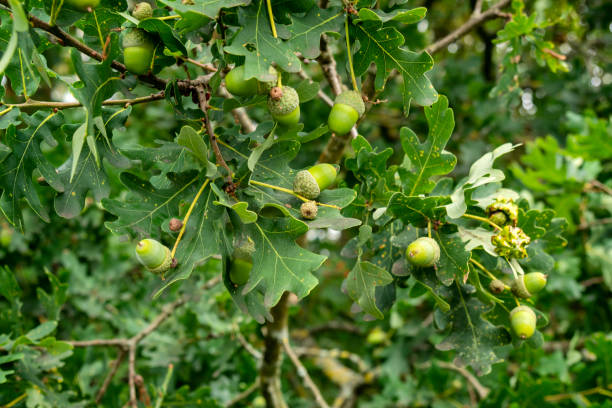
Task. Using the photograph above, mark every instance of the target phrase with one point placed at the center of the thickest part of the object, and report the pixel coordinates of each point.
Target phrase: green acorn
(138, 51)
(498, 218)
(237, 85)
(309, 210)
(527, 285)
(82, 5)
(348, 108)
(286, 109)
(309, 183)
(423, 252)
(242, 262)
(523, 321)
(142, 10)
(154, 256)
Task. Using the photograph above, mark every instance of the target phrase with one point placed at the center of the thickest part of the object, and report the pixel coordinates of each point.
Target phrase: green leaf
(306, 31)
(16, 178)
(453, 263)
(382, 46)
(417, 210)
(208, 8)
(260, 49)
(481, 173)
(41, 331)
(399, 15)
(361, 283)
(473, 338)
(193, 141)
(428, 159)
(279, 264)
(153, 25)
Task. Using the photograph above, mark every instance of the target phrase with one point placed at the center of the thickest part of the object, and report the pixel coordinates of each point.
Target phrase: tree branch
(114, 367)
(244, 394)
(475, 19)
(480, 389)
(30, 103)
(303, 373)
(203, 102)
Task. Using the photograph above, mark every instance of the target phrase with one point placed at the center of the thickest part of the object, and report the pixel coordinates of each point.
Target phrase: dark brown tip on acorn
(174, 263)
(175, 224)
(276, 93)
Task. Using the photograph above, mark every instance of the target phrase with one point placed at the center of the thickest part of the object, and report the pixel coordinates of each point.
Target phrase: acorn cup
(142, 10)
(154, 256)
(286, 109)
(309, 210)
(348, 108)
(423, 252)
(523, 321)
(138, 51)
(309, 183)
(527, 285)
(82, 5)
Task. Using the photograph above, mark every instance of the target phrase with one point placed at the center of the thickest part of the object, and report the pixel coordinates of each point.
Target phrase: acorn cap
(137, 37)
(309, 210)
(519, 289)
(286, 104)
(142, 10)
(352, 99)
(306, 185)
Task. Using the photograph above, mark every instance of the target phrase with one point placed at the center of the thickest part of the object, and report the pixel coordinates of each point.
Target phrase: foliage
(94, 158)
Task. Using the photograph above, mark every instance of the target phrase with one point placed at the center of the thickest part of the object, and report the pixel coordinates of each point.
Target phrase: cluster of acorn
(284, 102)
(511, 242)
(424, 252)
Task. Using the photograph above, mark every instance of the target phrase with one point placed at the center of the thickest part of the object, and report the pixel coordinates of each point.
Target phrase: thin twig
(244, 394)
(132, 376)
(240, 114)
(203, 102)
(247, 346)
(475, 19)
(480, 389)
(303, 373)
(31, 103)
(114, 366)
(329, 101)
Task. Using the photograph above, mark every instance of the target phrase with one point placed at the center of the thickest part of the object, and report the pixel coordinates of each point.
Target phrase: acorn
(527, 285)
(496, 286)
(523, 321)
(142, 10)
(286, 109)
(309, 210)
(154, 256)
(242, 262)
(498, 218)
(82, 5)
(348, 108)
(309, 183)
(138, 51)
(423, 252)
(237, 85)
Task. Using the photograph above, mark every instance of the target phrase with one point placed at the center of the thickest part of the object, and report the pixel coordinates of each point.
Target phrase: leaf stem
(286, 190)
(483, 219)
(7, 110)
(191, 207)
(429, 228)
(164, 387)
(98, 28)
(168, 17)
(16, 400)
(348, 52)
(271, 16)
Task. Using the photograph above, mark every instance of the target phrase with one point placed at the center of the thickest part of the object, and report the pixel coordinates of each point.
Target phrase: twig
(303, 373)
(244, 394)
(205, 67)
(475, 19)
(554, 54)
(480, 389)
(240, 114)
(162, 393)
(247, 346)
(31, 103)
(590, 391)
(123, 343)
(66, 39)
(203, 102)
(478, 218)
(114, 366)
